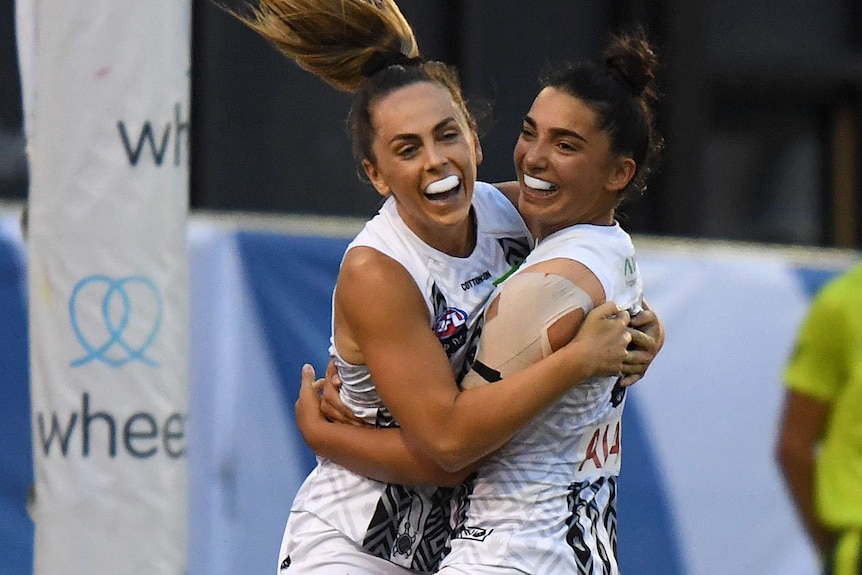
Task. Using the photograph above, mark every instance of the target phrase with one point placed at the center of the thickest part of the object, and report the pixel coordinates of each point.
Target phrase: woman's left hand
(647, 340)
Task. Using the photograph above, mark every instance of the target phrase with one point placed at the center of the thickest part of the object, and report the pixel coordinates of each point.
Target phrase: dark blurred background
(762, 111)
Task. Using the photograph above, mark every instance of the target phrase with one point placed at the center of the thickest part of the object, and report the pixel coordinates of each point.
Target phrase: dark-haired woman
(546, 501)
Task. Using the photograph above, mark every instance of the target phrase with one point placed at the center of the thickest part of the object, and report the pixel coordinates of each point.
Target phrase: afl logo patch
(451, 329)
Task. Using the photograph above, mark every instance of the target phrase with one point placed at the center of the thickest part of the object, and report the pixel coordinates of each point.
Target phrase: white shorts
(310, 546)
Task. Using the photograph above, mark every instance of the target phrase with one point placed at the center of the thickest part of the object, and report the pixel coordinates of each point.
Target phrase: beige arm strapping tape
(529, 303)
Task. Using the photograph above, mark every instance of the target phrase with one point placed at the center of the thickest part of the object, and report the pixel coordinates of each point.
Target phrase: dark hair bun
(632, 60)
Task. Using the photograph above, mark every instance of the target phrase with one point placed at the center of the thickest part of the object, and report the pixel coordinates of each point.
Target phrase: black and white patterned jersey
(411, 526)
(546, 502)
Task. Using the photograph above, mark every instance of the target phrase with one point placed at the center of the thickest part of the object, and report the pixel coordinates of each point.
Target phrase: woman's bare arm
(382, 454)
(413, 377)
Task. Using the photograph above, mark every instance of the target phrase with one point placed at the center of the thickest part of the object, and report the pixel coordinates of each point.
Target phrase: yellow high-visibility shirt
(827, 365)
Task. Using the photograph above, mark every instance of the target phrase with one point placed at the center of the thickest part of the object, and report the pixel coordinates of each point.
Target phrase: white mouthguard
(446, 184)
(537, 184)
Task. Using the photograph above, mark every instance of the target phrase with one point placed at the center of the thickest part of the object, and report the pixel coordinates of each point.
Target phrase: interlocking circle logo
(131, 316)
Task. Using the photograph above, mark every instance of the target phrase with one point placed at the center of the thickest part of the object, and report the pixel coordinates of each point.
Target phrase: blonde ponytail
(333, 39)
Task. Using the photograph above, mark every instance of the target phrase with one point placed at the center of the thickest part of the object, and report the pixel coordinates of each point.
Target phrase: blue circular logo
(131, 313)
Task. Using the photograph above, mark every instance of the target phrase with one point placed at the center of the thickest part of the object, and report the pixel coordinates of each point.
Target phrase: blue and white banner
(699, 491)
(106, 99)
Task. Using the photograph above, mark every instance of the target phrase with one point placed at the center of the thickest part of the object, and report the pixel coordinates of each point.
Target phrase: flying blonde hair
(365, 47)
(332, 39)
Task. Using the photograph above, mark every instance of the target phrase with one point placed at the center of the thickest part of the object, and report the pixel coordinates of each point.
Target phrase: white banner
(106, 88)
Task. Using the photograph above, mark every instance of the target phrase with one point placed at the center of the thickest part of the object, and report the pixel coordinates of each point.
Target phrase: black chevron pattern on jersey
(610, 517)
(592, 533)
(439, 300)
(385, 538)
(436, 533)
(515, 250)
(393, 505)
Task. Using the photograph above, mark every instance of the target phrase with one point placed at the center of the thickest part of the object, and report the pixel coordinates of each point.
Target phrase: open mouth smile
(444, 188)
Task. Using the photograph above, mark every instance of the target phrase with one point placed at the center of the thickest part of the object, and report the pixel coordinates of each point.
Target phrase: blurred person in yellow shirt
(819, 447)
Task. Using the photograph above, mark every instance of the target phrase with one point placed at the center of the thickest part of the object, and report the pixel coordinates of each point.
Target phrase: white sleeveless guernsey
(546, 502)
(411, 526)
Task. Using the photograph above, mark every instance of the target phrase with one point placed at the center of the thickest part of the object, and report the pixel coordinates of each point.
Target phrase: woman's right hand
(605, 337)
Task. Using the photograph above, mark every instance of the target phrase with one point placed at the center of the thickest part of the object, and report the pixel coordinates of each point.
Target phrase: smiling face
(566, 172)
(425, 154)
